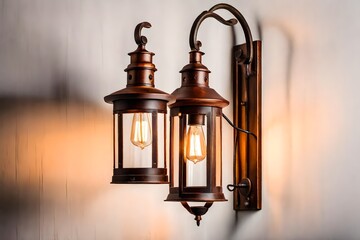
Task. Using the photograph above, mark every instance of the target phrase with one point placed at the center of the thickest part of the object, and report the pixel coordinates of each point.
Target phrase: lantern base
(140, 176)
(197, 211)
(196, 196)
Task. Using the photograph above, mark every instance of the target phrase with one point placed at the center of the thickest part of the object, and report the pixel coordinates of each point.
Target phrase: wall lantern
(196, 123)
(195, 139)
(139, 122)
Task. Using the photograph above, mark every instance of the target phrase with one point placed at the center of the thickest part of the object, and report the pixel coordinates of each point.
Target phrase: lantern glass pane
(218, 152)
(161, 139)
(195, 174)
(115, 140)
(196, 169)
(137, 156)
(175, 151)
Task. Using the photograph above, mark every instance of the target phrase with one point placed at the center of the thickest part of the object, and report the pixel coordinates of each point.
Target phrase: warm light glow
(195, 147)
(141, 130)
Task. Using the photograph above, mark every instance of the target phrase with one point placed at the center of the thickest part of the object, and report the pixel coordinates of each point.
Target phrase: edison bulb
(141, 130)
(195, 147)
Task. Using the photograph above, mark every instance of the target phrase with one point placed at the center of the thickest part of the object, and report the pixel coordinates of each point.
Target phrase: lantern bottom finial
(197, 211)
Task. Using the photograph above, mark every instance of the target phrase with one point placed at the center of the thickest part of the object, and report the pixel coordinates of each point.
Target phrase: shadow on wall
(50, 160)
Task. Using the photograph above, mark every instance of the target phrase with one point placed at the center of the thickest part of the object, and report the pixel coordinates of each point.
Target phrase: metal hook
(141, 40)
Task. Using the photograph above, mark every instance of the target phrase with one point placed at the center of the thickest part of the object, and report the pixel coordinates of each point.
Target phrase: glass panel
(195, 154)
(115, 140)
(175, 151)
(137, 152)
(161, 140)
(167, 140)
(195, 173)
(218, 152)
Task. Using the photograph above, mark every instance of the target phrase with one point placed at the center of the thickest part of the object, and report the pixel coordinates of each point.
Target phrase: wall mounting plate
(247, 115)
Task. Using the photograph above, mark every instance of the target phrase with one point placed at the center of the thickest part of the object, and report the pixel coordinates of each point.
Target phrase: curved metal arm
(141, 40)
(195, 45)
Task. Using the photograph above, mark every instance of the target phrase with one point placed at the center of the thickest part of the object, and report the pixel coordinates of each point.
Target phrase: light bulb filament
(141, 130)
(195, 147)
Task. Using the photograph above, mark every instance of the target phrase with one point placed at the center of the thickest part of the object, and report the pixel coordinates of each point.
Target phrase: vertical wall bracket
(247, 115)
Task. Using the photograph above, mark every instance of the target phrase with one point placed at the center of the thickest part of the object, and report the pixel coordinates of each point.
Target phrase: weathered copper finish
(140, 95)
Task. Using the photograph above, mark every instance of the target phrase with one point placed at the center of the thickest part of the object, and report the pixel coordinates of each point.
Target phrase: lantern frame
(211, 192)
(139, 96)
(195, 97)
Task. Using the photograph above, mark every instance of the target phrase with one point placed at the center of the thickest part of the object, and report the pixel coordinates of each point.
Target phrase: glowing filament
(195, 147)
(141, 130)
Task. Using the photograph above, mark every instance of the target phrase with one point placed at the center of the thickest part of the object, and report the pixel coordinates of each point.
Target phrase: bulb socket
(196, 119)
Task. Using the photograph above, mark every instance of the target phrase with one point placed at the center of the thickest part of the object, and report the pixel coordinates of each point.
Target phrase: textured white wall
(59, 58)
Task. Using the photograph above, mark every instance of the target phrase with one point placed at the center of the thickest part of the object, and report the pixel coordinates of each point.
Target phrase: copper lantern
(195, 139)
(139, 121)
(195, 126)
